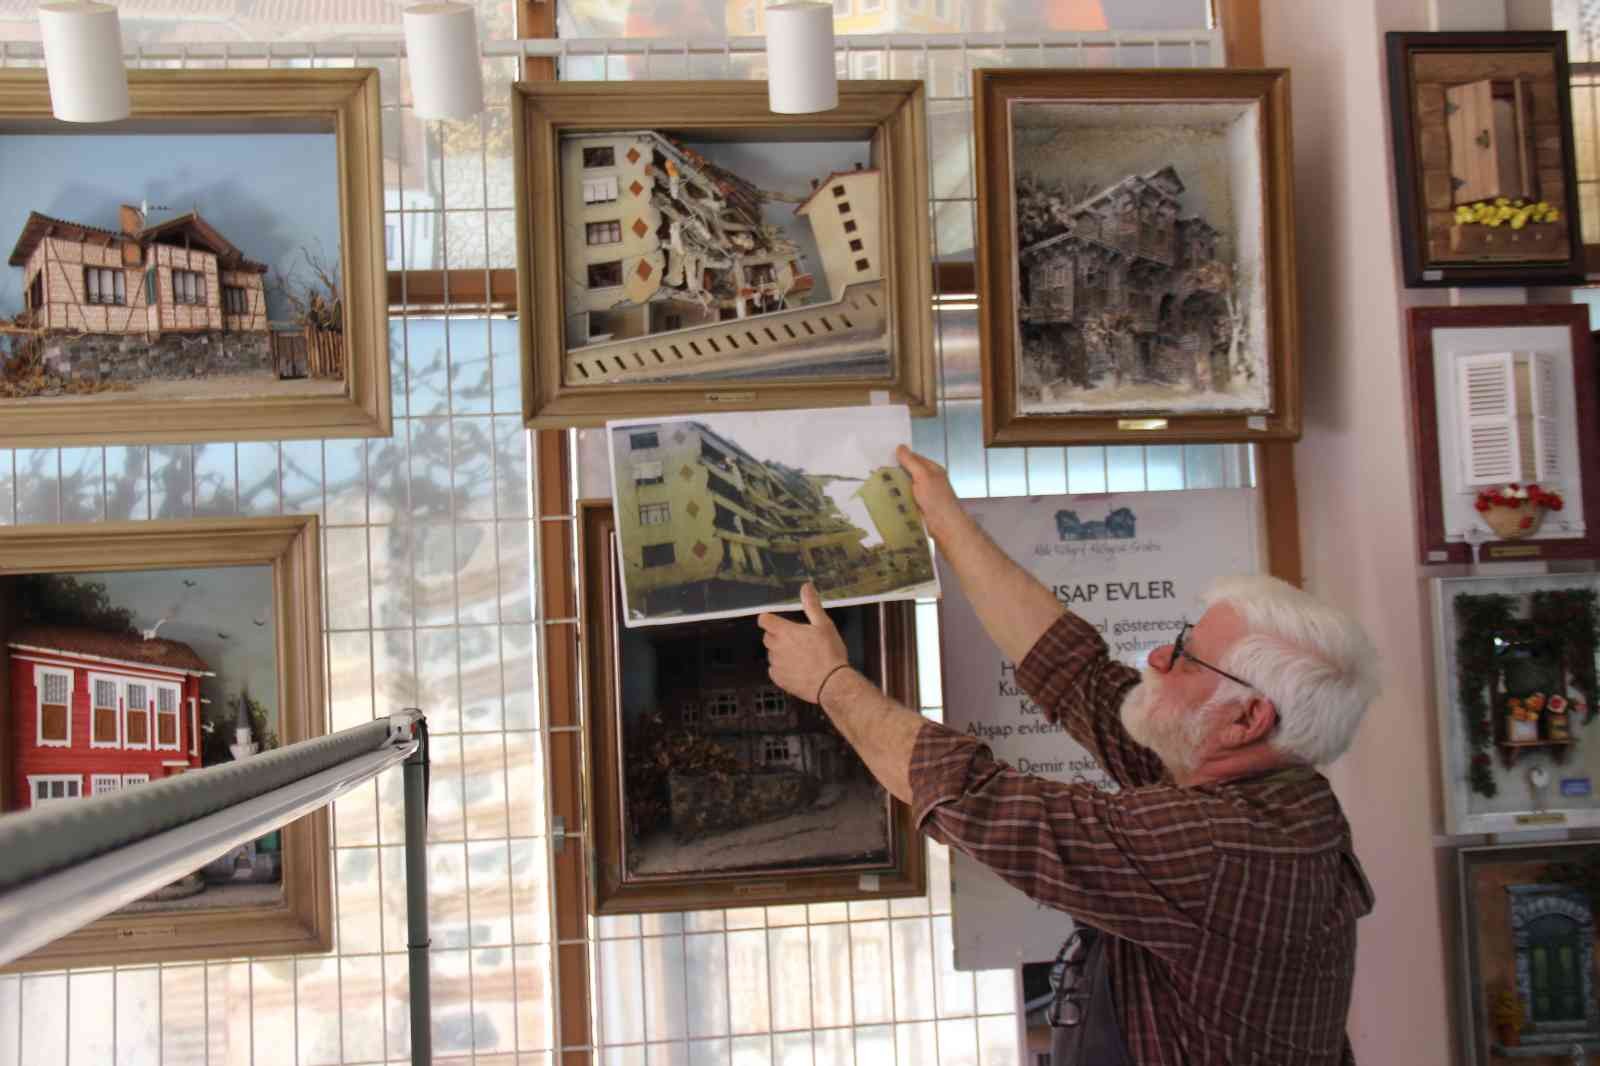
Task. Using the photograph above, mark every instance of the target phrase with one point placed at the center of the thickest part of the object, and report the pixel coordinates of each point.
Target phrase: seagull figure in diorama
(150, 634)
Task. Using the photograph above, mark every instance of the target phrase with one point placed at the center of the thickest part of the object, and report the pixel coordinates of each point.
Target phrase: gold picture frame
(889, 648)
(662, 250)
(1144, 293)
(339, 357)
(300, 919)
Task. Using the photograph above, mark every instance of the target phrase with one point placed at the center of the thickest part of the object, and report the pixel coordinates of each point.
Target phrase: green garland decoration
(1478, 619)
(1564, 617)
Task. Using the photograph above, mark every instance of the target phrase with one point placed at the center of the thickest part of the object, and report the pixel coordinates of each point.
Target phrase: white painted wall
(1356, 511)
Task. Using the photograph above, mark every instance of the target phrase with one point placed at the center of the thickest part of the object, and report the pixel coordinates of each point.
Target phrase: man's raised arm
(1014, 607)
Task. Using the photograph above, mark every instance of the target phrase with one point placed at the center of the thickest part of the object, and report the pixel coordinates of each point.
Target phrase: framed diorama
(1515, 659)
(1484, 163)
(711, 787)
(225, 279)
(1136, 256)
(134, 651)
(1527, 942)
(681, 248)
(1503, 400)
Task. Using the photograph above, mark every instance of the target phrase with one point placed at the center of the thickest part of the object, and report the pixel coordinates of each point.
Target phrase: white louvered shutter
(1546, 430)
(1486, 406)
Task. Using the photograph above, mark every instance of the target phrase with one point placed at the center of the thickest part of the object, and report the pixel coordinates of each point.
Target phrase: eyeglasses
(1179, 653)
(1066, 975)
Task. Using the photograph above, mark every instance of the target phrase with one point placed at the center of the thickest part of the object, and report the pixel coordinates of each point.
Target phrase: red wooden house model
(95, 711)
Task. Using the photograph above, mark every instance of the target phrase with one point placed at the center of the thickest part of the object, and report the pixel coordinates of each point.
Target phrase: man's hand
(802, 654)
(930, 487)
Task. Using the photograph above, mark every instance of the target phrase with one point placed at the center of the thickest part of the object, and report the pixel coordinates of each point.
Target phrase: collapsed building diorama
(723, 769)
(168, 301)
(708, 527)
(1120, 288)
(670, 269)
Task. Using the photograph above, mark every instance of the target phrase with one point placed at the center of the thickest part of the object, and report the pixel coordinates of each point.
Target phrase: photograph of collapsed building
(688, 258)
(724, 772)
(1140, 275)
(730, 514)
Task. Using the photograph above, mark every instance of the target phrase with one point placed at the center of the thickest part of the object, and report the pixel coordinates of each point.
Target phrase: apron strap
(1097, 1039)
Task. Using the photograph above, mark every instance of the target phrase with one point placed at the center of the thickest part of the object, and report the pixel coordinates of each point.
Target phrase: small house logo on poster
(1118, 525)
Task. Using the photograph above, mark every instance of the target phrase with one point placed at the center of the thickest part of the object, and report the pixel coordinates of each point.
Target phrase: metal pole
(415, 770)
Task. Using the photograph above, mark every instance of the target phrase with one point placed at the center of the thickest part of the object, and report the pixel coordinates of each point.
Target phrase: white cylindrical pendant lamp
(83, 61)
(442, 53)
(800, 75)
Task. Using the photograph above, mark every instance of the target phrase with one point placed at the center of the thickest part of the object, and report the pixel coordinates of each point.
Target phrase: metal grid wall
(432, 594)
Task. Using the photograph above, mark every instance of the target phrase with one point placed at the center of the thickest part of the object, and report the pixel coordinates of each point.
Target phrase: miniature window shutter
(105, 712)
(1546, 431)
(53, 708)
(1486, 404)
(150, 286)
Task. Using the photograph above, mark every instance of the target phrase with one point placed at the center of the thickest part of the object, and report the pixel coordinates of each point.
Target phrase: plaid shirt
(1236, 903)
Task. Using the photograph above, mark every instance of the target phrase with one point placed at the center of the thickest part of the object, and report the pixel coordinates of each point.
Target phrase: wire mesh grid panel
(868, 982)
(428, 589)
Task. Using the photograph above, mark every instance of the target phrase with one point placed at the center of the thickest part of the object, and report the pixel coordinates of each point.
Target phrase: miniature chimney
(858, 165)
(131, 219)
(815, 182)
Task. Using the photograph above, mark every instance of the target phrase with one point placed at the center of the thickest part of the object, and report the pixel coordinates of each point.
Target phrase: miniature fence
(313, 352)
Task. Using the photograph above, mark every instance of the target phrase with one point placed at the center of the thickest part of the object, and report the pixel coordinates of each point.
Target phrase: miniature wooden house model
(178, 276)
(96, 711)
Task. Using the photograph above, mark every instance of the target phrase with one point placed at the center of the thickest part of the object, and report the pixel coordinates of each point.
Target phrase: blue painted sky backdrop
(270, 194)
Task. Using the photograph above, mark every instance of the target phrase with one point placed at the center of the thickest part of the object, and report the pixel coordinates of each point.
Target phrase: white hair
(1314, 662)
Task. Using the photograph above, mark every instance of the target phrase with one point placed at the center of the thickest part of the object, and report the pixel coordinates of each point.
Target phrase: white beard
(1174, 735)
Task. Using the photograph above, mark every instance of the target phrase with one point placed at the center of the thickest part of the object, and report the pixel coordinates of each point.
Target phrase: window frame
(40, 672)
(96, 678)
(34, 780)
(176, 714)
(117, 276)
(148, 711)
(114, 781)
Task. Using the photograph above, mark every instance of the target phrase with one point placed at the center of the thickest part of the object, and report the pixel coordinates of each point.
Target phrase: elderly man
(1216, 894)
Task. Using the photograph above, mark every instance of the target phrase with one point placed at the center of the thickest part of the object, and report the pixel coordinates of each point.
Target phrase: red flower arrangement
(1527, 501)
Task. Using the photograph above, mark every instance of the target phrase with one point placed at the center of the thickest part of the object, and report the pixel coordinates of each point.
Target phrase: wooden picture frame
(891, 644)
(1476, 118)
(1165, 329)
(1515, 901)
(629, 302)
(1497, 641)
(301, 919)
(171, 386)
(1447, 531)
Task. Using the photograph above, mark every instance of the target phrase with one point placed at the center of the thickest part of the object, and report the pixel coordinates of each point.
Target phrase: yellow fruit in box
(1519, 220)
(1500, 201)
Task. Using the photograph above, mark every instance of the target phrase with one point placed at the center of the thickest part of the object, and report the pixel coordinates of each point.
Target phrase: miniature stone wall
(706, 803)
(111, 359)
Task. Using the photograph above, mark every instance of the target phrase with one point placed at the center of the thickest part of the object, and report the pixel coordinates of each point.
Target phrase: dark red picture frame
(1431, 544)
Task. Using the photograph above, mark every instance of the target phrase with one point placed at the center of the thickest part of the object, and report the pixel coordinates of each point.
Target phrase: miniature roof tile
(202, 232)
(38, 226)
(106, 644)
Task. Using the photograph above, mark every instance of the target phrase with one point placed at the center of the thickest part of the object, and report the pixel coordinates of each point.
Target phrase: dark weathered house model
(178, 276)
(1131, 289)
